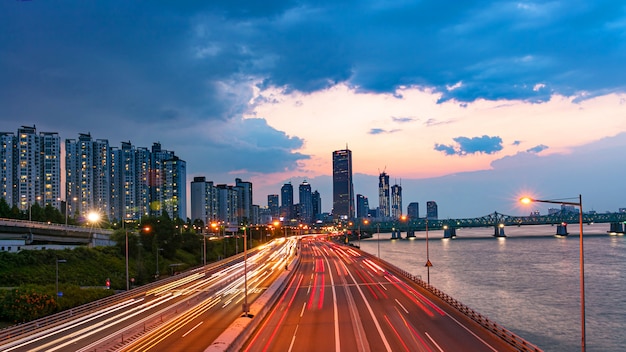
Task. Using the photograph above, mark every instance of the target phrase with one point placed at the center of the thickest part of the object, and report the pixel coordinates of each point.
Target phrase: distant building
(396, 201)
(306, 202)
(384, 201)
(286, 205)
(273, 205)
(245, 206)
(316, 201)
(343, 189)
(431, 210)
(362, 206)
(413, 210)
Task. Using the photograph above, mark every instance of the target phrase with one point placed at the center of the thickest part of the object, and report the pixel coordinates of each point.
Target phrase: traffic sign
(428, 263)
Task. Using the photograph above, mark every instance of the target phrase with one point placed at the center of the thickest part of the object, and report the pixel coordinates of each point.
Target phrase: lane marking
(192, 329)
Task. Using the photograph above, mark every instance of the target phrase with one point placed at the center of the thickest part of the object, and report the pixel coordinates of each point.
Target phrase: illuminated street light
(579, 204)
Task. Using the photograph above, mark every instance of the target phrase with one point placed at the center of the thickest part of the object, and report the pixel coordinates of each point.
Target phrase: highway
(343, 300)
(185, 314)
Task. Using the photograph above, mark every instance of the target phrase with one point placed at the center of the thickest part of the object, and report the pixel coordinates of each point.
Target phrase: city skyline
(470, 107)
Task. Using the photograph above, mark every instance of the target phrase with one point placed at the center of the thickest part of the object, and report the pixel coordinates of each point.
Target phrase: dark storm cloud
(474, 145)
(148, 71)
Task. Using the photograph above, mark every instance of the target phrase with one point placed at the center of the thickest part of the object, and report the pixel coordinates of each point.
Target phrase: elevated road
(341, 299)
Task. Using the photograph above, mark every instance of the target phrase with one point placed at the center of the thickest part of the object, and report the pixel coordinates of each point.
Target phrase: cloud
(403, 119)
(537, 149)
(474, 145)
(375, 131)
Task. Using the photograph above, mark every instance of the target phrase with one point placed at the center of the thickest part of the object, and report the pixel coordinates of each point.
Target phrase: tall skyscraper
(396, 201)
(286, 205)
(316, 200)
(306, 202)
(362, 206)
(245, 201)
(413, 210)
(343, 189)
(431, 210)
(273, 205)
(384, 202)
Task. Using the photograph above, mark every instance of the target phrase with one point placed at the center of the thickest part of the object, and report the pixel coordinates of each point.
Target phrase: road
(199, 305)
(342, 300)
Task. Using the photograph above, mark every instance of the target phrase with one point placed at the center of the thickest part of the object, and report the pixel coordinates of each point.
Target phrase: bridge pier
(498, 231)
(616, 228)
(410, 234)
(449, 232)
(395, 235)
(561, 230)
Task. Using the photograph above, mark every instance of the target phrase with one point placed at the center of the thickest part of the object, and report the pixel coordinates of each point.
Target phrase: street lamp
(57, 276)
(579, 204)
(245, 272)
(378, 242)
(428, 263)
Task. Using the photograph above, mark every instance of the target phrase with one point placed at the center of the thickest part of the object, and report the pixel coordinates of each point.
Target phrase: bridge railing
(46, 226)
(483, 321)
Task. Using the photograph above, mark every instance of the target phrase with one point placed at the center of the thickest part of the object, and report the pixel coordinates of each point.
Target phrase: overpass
(497, 221)
(30, 234)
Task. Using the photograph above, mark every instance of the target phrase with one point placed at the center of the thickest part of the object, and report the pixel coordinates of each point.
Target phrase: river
(528, 282)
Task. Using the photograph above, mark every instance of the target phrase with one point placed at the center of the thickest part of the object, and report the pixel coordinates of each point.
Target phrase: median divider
(236, 335)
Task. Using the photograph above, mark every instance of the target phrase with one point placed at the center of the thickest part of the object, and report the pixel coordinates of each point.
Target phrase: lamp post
(378, 242)
(579, 204)
(428, 263)
(156, 275)
(57, 276)
(245, 272)
(127, 277)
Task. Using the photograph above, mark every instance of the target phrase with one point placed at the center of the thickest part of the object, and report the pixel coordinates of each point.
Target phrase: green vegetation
(29, 277)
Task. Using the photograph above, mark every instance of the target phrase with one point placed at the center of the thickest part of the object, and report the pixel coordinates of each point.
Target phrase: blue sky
(466, 103)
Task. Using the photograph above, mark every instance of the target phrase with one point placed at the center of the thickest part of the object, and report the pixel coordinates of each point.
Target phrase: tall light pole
(245, 272)
(127, 277)
(579, 204)
(428, 263)
(156, 275)
(57, 276)
(378, 242)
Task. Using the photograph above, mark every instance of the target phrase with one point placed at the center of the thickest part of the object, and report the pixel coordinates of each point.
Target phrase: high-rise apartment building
(306, 202)
(384, 201)
(362, 206)
(227, 204)
(203, 200)
(31, 170)
(343, 189)
(396, 201)
(88, 176)
(8, 167)
(413, 210)
(431, 210)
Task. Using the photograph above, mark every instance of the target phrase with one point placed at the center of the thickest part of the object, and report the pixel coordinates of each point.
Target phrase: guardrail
(25, 329)
(55, 226)
(483, 321)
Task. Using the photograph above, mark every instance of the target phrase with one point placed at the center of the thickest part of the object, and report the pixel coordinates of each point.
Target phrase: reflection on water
(528, 282)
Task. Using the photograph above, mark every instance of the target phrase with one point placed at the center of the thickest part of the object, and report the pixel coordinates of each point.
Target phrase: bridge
(497, 221)
(21, 234)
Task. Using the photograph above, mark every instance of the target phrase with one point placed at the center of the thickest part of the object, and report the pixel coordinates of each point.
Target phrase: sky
(471, 104)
